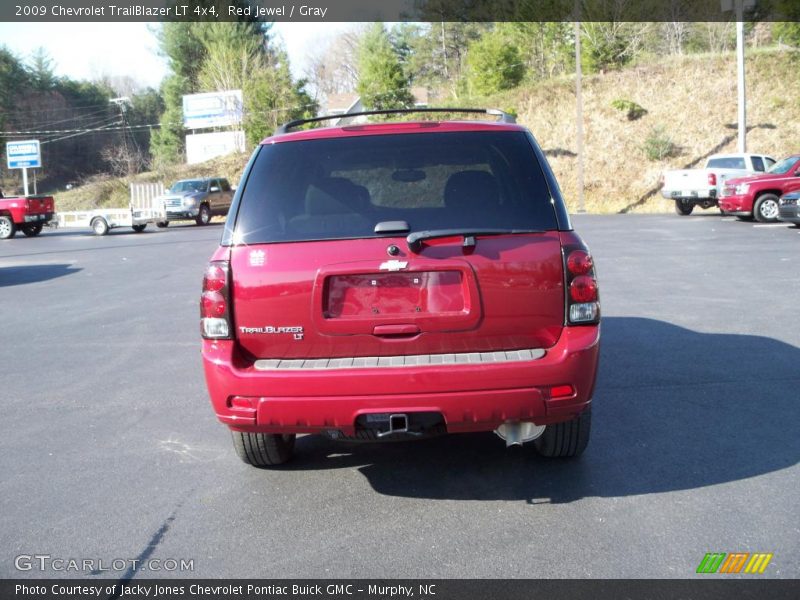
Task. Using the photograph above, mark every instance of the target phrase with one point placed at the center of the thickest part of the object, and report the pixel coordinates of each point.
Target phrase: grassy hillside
(110, 191)
(693, 98)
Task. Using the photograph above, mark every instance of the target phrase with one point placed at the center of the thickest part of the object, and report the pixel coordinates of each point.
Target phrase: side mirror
(213, 188)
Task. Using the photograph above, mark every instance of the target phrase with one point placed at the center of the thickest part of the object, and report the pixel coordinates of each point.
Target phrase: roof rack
(502, 117)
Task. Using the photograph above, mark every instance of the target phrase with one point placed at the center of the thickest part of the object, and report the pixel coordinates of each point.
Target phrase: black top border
(398, 10)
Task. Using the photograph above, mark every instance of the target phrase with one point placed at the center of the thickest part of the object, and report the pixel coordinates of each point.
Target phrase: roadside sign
(212, 109)
(24, 154)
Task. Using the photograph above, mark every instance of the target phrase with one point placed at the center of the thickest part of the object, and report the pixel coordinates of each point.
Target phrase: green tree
(787, 30)
(231, 55)
(83, 93)
(40, 71)
(439, 51)
(167, 142)
(271, 98)
(547, 49)
(13, 81)
(493, 64)
(180, 43)
(145, 109)
(382, 82)
(608, 45)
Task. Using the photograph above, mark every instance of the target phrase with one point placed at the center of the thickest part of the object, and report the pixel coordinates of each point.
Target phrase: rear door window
(758, 164)
(340, 188)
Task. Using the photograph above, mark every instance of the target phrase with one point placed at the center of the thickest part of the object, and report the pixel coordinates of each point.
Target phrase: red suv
(398, 280)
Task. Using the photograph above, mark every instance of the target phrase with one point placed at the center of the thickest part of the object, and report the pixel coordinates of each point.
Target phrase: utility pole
(579, 115)
(740, 75)
(123, 103)
(738, 6)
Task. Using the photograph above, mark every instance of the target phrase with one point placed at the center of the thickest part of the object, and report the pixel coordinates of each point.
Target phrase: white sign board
(201, 147)
(213, 109)
(24, 155)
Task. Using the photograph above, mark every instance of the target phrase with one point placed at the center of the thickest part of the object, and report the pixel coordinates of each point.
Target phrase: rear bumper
(38, 218)
(704, 195)
(469, 397)
(737, 205)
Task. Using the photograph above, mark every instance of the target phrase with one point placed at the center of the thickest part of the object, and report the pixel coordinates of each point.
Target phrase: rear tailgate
(321, 266)
(332, 299)
(37, 205)
(686, 182)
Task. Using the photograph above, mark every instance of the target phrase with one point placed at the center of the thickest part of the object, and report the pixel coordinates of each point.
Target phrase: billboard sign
(24, 154)
(201, 147)
(212, 109)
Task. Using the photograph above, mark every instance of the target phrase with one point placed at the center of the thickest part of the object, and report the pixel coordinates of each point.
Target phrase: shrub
(659, 145)
(632, 110)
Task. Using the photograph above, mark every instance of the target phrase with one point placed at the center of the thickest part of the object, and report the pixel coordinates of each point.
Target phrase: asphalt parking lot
(109, 448)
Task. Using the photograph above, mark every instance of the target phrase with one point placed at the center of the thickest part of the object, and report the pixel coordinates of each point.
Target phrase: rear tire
(7, 228)
(139, 228)
(684, 208)
(204, 215)
(765, 210)
(32, 229)
(567, 439)
(162, 224)
(100, 226)
(263, 449)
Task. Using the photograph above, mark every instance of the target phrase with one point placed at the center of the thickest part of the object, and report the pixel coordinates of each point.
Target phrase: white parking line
(771, 225)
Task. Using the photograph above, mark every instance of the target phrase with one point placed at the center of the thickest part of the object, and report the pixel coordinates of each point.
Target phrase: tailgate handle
(407, 329)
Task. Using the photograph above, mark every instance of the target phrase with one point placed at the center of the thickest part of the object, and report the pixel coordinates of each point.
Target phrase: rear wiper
(416, 238)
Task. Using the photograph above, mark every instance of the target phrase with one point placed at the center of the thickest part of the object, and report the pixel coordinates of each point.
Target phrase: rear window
(341, 188)
(730, 162)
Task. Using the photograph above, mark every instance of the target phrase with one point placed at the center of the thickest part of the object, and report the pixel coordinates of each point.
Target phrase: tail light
(583, 298)
(215, 303)
(712, 179)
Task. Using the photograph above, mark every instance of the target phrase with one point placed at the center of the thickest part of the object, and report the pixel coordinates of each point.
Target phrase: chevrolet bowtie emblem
(393, 265)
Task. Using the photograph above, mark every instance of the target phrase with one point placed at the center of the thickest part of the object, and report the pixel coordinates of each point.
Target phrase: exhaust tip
(516, 433)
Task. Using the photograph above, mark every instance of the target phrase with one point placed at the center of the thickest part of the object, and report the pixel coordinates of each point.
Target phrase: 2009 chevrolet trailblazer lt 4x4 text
(396, 280)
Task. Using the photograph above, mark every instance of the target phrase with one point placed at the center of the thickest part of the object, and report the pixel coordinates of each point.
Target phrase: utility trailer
(144, 208)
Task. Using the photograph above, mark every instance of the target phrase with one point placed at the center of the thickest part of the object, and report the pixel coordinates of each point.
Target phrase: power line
(52, 131)
(75, 118)
(58, 139)
(21, 111)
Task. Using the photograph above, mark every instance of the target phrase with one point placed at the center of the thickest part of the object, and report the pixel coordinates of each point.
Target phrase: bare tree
(718, 37)
(333, 67)
(674, 34)
(124, 160)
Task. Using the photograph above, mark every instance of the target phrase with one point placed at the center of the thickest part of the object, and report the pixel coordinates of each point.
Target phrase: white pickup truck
(703, 187)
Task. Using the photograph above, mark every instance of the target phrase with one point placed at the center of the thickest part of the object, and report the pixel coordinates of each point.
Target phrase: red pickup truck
(29, 214)
(757, 195)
